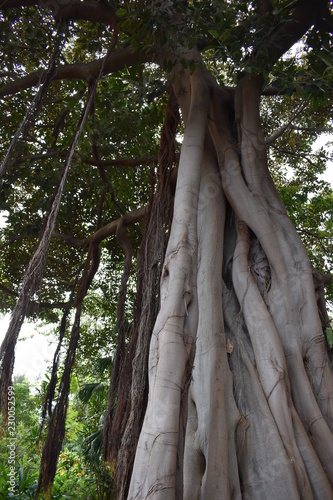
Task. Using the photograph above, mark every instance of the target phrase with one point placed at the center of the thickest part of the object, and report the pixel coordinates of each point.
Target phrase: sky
(34, 352)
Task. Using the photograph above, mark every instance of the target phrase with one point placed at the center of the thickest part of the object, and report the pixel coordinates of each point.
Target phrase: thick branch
(80, 71)
(171, 348)
(130, 218)
(98, 236)
(98, 12)
(288, 32)
(104, 232)
(13, 238)
(119, 357)
(112, 162)
(70, 240)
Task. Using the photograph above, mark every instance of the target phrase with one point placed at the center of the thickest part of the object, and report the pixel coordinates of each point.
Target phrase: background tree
(80, 472)
(123, 211)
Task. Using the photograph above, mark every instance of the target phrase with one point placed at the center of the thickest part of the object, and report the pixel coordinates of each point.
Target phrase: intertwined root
(239, 381)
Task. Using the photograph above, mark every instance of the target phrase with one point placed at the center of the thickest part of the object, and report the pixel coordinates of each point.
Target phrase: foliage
(134, 98)
(25, 440)
(80, 473)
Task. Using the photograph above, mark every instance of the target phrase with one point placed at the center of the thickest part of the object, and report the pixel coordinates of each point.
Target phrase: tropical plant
(159, 170)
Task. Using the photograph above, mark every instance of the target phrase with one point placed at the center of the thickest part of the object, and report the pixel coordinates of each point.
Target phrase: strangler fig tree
(172, 143)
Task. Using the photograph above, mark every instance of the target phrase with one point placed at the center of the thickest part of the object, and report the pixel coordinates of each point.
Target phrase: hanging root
(173, 338)
(56, 427)
(120, 355)
(49, 397)
(320, 280)
(34, 272)
(277, 300)
(31, 113)
(121, 432)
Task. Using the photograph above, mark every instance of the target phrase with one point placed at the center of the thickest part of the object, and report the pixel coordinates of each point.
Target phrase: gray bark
(239, 381)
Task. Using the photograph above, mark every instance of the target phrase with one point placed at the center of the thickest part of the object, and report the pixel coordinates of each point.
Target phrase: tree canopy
(98, 106)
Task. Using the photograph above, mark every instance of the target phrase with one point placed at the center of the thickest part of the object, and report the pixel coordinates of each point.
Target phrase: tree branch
(314, 235)
(36, 305)
(130, 218)
(94, 247)
(318, 130)
(290, 126)
(293, 153)
(282, 129)
(120, 162)
(104, 232)
(16, 238)
(305, 13)
(57, 126)
(71, 241)
(87, 72)
(97, 12)
(114, 162)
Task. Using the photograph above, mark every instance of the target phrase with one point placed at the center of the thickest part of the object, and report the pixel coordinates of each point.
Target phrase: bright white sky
(34, 352)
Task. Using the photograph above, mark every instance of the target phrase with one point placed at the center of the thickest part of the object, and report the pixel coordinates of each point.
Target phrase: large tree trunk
(240, 385)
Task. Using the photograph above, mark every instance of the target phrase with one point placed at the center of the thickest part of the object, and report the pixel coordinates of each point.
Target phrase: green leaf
(214, 34)
(329, 336)
(121, 12)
